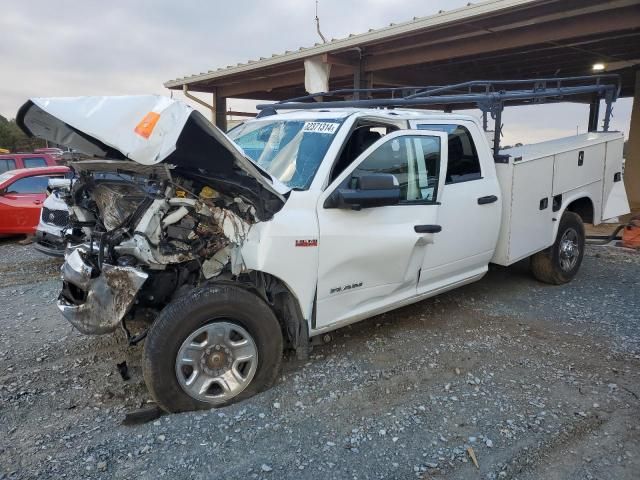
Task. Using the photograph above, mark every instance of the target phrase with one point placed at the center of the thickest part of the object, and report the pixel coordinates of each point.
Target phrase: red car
(14, 161)
(56, 153)
(21, 195)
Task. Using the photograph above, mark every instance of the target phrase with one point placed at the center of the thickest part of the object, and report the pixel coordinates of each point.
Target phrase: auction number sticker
(320, 127)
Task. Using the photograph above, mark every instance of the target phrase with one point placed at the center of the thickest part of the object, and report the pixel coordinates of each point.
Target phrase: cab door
(21, 204)
(370, 258)
(470, 210)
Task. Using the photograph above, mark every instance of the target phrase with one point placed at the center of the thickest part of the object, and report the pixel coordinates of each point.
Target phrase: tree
(14, 139)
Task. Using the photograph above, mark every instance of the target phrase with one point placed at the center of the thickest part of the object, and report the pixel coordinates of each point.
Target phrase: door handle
(38, 202)
(427, 228)
(487, 199)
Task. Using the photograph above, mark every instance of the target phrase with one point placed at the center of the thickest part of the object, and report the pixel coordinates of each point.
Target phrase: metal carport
(497, 39)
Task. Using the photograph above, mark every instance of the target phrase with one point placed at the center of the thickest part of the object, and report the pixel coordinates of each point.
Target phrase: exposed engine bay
(163, 205)
(138, 235)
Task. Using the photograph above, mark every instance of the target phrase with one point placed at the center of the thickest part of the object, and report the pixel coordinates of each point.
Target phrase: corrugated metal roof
(353, 40)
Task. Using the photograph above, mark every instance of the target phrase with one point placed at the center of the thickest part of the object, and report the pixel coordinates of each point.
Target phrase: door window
(34, 162)
(29, 185)
(463, 163)
(361, 138)
(7, 164)
(413, 160)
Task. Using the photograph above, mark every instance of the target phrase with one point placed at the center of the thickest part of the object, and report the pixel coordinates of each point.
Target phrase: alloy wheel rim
(569, 250)
(216, 362)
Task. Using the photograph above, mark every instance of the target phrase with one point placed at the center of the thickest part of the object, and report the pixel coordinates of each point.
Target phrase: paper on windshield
(320, 127)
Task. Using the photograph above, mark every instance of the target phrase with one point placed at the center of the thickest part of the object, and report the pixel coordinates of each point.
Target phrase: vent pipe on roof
(324, 40)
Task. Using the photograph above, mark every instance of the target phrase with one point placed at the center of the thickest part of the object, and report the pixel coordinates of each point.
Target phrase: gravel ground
(538, 381)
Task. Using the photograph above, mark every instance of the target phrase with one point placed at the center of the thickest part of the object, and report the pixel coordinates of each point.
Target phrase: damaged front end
(149, 238)
(96, 304)
(166, 209)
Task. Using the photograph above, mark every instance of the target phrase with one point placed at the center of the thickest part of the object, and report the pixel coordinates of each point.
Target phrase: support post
(213, 108)
(220, 111)
(632, 165)
(359, 78)
(594, 114)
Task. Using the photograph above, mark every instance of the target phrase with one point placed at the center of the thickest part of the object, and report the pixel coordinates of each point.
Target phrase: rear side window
(463, 164)
(33, 162)
(29, 185)
(7, 164)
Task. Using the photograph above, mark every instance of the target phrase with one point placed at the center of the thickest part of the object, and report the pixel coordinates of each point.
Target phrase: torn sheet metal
(213, 266)
(108, 296)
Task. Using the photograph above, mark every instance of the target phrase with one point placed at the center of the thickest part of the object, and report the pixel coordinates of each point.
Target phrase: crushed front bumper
(49, 244)
(96, 304)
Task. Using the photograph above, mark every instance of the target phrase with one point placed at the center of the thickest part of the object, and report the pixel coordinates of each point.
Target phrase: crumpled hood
(150, 129)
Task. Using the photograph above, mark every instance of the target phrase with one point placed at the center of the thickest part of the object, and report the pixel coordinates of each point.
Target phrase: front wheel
(212, 347)
(559, 263)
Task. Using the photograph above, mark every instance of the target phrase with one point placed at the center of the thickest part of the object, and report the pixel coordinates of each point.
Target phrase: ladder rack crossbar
(490, 96)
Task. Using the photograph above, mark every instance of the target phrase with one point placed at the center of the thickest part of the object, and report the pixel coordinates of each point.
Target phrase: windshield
(290, 150)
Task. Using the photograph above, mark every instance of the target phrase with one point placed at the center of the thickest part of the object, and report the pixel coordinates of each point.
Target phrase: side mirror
(373, 190)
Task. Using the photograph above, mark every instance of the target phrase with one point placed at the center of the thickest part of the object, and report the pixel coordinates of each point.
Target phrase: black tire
(184, 316)
(548, 266)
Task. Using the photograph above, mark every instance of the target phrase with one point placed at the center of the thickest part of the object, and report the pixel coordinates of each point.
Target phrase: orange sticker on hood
(147, 124)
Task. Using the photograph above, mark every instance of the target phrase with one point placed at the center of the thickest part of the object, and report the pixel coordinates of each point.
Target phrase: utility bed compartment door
(614, 195)
(582, 166)
(531, 208)
(577, 168)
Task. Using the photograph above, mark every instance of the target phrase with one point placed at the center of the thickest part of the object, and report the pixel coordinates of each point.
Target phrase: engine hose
(104, 239)
(133, 339)
(100, 253)
(605, 239)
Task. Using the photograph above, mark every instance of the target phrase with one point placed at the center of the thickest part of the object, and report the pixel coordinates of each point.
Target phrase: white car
(54, 220)
(298, 223)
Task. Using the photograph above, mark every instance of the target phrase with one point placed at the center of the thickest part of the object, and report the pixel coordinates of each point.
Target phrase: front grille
(55, 217)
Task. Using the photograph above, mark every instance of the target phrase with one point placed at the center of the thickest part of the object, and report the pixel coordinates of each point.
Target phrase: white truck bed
(537, 177)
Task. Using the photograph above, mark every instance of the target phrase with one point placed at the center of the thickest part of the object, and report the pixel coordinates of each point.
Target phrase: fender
(287, 246)
(571, 197)
(282, 300)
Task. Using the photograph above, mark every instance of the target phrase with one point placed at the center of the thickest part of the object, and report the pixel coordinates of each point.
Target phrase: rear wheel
(212, 347)
(559, 263)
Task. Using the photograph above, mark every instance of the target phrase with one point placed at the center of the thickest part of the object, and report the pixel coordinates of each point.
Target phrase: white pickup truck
(299, 223)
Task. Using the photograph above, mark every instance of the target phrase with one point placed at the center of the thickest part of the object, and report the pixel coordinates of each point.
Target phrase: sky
(92, 47)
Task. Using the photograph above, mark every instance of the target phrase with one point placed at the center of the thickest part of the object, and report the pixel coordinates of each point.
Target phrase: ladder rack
(490, 96)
